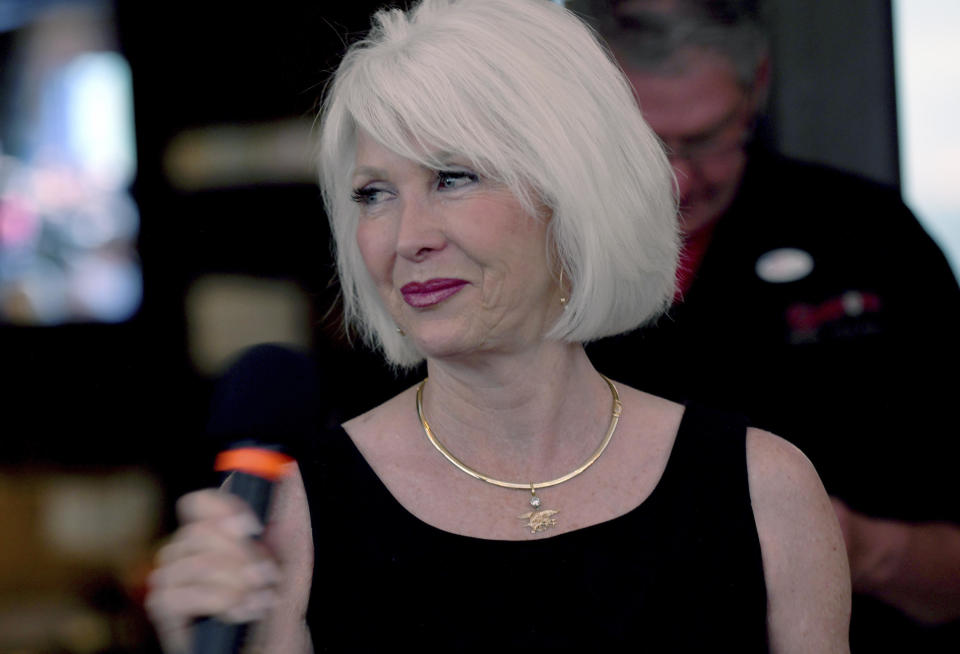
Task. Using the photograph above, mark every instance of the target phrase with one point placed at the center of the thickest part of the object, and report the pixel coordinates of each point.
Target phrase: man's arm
(912, 566)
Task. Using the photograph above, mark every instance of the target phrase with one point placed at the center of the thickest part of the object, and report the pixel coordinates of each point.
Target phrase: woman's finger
(215, 505)
(248, 570)
(179, 605)
(216, 535)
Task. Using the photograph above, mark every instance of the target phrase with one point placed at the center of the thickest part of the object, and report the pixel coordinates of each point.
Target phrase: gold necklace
(538, 519)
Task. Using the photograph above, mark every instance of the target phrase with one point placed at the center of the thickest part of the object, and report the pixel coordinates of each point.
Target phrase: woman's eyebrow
(368, 171)
(440, 158)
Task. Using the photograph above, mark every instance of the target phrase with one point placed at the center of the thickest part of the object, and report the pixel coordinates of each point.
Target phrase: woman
(496, 201)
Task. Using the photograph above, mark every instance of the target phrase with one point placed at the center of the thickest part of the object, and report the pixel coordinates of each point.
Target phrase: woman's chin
(440, 349)
(443, 341)
(468, 348)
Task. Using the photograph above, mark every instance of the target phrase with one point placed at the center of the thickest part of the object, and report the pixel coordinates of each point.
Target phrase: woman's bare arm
(804, 559)
(289, 535)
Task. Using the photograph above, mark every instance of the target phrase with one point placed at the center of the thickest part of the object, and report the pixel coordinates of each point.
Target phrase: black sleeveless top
(680, 573)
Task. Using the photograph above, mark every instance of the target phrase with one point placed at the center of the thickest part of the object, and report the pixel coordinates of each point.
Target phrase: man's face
(703, 115)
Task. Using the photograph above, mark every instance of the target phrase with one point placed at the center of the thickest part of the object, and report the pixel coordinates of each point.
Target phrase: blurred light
(102, 518)
(228, 156)
(101, 117)
(111, 288)
(228, 313)
(17, 13)
(928, 99)
(68, 224)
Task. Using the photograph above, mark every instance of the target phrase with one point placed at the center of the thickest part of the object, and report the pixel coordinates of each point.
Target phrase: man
(810, 300)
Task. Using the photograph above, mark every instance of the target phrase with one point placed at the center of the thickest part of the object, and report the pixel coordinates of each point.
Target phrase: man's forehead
(627, 6)
(690, 97)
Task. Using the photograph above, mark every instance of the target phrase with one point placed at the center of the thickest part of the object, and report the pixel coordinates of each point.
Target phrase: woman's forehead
(368, 150)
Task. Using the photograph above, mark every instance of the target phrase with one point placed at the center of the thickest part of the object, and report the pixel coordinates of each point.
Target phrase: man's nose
(686, 173)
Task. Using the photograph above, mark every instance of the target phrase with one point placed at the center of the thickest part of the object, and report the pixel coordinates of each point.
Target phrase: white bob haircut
(525, 92)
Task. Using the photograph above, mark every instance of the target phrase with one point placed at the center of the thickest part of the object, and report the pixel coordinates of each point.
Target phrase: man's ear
(760, 88)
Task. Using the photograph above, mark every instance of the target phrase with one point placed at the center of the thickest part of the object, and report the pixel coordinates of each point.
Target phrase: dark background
(95, 394)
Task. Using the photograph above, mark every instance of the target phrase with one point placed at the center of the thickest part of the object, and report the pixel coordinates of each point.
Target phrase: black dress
(682, 572)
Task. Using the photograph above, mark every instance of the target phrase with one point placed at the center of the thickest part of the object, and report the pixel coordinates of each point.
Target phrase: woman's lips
(430, 292)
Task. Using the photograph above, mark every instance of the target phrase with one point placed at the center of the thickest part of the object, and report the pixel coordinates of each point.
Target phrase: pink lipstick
(433, 291)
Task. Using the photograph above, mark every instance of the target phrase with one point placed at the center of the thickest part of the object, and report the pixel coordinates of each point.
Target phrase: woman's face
(460, 265)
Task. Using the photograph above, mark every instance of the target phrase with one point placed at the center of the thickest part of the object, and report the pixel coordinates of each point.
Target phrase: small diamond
(535, 501)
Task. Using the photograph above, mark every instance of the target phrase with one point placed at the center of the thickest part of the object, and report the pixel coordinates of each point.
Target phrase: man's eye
(448, 180)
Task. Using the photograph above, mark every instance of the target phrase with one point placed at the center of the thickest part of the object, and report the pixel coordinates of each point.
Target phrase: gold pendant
(538, 520)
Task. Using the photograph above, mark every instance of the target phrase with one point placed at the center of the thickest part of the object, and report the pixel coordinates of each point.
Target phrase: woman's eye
(367, 195)
(449, 180)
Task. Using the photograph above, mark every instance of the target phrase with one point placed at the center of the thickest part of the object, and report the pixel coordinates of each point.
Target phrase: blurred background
(158, 214)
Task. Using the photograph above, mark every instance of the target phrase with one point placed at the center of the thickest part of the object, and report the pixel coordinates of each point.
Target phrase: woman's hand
(211, 567)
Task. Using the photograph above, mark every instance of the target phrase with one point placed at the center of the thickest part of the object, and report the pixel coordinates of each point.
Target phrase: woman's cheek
(374, 249)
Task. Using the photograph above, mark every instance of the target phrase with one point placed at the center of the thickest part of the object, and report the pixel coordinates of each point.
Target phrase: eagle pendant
(539, 521)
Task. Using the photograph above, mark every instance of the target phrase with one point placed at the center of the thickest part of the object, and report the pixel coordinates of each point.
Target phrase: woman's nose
(420, 231)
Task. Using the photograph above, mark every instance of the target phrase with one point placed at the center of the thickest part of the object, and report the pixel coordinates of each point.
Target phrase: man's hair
(650, 34)
(523, 91)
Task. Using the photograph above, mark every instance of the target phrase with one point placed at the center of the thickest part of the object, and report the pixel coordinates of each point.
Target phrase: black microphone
(271, 394)
(263, 406)
(253, 469)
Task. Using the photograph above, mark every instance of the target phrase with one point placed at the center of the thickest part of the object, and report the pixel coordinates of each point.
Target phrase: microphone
(253, 469)
(264, 405)
(271, 394)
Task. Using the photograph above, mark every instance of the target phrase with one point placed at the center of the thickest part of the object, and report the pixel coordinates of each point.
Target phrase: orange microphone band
(267, 464)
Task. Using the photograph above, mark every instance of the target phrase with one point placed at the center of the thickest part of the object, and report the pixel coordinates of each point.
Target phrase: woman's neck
(520, 418)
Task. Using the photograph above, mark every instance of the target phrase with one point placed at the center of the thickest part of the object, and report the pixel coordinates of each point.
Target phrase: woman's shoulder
(382, 434)
(791, 507)
(804, 558)
(383, 419)
(780, 473)
(650, 411)
(645, 439)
